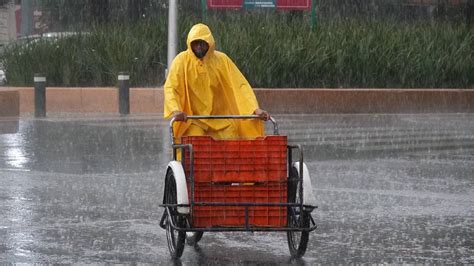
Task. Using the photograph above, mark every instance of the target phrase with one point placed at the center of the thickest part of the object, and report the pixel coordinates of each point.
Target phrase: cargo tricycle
(233, 185)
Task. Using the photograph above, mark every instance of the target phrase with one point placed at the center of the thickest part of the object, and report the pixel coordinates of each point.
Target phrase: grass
(92, 59)
(270, 50)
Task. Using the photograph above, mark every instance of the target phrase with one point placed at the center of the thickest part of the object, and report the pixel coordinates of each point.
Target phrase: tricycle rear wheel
(297, 218)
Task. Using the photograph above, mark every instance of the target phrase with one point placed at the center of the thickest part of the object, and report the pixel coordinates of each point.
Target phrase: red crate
(261, 193)
(257, 160)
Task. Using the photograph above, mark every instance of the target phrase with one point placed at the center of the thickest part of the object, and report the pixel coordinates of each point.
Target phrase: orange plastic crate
(261, 216)
(258, 160)
(222, 171)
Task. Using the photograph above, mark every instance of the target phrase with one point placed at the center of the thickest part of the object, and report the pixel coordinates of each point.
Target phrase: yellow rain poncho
(212, 85)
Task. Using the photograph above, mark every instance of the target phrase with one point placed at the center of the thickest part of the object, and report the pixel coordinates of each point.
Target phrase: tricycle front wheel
(192, 238)
(298, 240)
(174, 237)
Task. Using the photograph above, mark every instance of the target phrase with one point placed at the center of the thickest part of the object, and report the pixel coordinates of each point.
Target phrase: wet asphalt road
(390, 189)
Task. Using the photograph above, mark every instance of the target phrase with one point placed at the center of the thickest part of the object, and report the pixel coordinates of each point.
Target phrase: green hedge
(92, 58)
(271, 50)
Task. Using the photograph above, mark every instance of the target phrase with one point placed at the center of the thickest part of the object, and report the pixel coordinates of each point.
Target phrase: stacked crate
(238, 171)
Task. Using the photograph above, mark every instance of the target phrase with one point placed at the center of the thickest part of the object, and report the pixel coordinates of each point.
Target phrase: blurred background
(327, 44)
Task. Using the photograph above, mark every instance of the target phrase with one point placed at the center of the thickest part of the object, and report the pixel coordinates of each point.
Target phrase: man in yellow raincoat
(203, 81)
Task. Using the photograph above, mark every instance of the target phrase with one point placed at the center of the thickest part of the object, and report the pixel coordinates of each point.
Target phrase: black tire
(192, 238)
(175, 238)
(297, 218)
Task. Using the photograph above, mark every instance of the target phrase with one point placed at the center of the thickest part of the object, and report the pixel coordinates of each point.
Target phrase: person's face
(199, 48)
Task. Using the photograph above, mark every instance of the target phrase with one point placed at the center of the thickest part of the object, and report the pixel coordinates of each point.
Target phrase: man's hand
(264, 115)
(180, 116)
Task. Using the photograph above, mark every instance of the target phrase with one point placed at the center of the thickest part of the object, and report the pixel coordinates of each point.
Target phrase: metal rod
(243, 204)
(301, 176)
(238, 229)
(172, 137)
(314, 18)
(243, 229)
(289, 159)
(173, 120)
(246, 217)
(163, 218)
(223, 117)
(251, 229)
(191, 174)
(172, 32)
(203, 10)
(275, 126)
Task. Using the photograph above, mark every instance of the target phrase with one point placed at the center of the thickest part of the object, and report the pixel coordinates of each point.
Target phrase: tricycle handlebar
(275, 124)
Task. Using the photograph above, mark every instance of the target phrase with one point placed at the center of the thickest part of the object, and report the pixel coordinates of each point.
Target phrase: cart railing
(198, 117)
(247, 226)
(297, 210)
(246, 205)
(300, 204)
